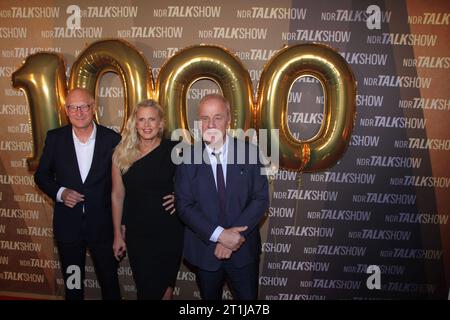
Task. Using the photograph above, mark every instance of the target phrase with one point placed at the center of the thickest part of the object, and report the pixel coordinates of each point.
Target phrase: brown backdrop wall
(361, 212)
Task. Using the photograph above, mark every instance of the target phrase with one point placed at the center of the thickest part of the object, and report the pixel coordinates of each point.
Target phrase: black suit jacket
(58, 167)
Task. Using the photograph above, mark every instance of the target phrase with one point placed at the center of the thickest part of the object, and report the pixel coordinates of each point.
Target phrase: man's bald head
(79, 94)
(80, 108)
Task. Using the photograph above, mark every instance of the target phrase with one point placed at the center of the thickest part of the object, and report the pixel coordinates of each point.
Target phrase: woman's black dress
(154, 237)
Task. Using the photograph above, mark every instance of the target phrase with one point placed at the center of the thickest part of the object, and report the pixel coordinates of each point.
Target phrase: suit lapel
(206, 170)
(97, 152)
(72, 155)
(232, 169)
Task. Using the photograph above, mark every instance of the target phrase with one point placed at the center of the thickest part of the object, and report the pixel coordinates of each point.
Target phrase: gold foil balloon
(114, 56)
(42, 77)
(204, 62)
(330, 68)
(43, 80)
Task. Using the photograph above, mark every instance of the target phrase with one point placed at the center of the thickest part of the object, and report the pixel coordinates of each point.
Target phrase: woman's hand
(119, 248)
(169, 204)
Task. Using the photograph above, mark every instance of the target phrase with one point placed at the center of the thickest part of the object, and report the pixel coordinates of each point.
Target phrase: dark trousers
(74, 254)
(243, 281)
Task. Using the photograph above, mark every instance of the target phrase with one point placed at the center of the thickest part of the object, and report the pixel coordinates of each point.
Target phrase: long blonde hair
(127, 151)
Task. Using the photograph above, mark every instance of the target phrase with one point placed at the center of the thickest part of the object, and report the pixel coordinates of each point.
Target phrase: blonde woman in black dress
(145, 225)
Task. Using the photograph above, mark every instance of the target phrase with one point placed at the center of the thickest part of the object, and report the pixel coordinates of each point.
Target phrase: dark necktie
(220, 190)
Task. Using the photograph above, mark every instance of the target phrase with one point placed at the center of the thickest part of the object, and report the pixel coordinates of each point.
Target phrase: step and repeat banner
(384, 204)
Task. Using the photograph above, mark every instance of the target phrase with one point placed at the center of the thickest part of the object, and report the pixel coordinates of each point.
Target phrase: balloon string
(271, 187)
(299, 184)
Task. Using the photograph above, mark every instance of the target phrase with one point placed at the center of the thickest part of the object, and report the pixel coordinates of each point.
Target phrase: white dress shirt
(223, 160)
(85, 153)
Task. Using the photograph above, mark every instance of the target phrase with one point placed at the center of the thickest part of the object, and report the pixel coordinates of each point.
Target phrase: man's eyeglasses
(83, 108)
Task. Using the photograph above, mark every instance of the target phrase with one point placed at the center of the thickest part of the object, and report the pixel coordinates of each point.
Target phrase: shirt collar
(223, 149)
(91, 137)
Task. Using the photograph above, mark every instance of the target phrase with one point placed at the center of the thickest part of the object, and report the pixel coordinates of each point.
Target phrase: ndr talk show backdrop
(386, 202)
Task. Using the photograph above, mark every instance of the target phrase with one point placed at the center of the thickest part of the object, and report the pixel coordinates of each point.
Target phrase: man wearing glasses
(75, 171)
